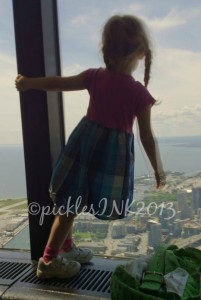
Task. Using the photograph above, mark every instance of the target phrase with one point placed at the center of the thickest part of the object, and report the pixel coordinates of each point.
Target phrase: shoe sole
(42, 275)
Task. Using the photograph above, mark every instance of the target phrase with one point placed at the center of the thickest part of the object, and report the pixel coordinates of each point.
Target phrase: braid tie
(147, 70)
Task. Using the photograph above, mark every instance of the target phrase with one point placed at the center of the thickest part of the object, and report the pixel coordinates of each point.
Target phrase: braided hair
(122, 37)
(147, 69)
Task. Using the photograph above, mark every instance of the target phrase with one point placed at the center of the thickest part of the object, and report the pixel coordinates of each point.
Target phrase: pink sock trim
(67, 244)
(50, 253)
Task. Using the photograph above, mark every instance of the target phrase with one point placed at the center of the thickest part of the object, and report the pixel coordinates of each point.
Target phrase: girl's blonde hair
(123, 36)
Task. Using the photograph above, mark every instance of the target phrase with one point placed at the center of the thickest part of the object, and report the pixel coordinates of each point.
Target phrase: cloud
(10, 119)
(11, 137)
(73, 69)
(3, 42)
(82, 29)
(176, 77)
(7, 76)
(134, 8)
(176, 122)
(185, 114)
(198, 107)
(175, 80)
(173, 19)
(75, 107)
(80, 21)
(8, 59)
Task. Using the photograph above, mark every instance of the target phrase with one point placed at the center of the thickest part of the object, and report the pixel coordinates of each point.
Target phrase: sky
(174, 28)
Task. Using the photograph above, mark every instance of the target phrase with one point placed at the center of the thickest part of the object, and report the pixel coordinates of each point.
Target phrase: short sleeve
(88, 78)
(144, 98)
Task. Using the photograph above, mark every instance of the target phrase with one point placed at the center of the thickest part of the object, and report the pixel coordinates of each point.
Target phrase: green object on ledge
(153, 285)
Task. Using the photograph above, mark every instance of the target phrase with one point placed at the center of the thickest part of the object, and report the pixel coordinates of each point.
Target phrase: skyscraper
(196, 193)
(186, 211)
(154, 233)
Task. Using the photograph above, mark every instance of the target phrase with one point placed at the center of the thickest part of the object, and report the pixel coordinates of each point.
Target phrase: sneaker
(59, 267)
(81, 255)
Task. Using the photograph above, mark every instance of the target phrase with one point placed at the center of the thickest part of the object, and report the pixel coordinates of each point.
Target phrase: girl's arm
(150, 145)
(72, 83)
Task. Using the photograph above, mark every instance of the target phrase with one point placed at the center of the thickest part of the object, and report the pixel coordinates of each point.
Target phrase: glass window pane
(13, 195)
(172, 215)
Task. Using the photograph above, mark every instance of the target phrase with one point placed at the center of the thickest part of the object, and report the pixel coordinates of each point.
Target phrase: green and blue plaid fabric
(95, 172)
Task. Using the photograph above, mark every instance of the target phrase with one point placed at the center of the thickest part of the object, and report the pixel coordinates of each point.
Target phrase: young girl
(96, 169)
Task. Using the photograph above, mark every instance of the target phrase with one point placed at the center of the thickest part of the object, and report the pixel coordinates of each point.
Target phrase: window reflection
(13, 202)
(173, 214)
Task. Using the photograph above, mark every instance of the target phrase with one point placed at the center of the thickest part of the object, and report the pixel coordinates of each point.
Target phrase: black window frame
(37, 51)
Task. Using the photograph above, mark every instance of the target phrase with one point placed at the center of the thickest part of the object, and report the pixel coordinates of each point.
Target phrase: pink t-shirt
(115, 99)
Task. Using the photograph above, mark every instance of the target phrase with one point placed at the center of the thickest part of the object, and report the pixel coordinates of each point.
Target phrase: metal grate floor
(93, 279)
(89, 281)
(12, 271)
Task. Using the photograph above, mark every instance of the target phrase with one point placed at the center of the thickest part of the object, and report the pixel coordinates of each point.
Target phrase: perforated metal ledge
(93, 281)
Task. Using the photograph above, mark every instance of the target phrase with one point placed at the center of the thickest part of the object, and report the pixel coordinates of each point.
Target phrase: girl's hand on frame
(160, 179)
(21, 83)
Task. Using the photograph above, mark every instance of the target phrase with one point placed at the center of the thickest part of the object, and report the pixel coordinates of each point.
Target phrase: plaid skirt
(95, 172)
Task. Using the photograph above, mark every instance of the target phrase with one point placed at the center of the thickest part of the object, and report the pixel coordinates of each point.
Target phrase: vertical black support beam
(37, 49)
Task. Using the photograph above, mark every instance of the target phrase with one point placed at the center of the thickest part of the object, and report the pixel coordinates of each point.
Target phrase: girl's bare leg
(51, 264)
(60, 231)
(70, 233)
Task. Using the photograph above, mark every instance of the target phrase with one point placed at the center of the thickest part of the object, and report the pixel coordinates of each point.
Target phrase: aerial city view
(171, 215)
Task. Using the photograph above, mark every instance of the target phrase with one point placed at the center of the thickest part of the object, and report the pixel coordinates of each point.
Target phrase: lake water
(20, 241)
(177, 154)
